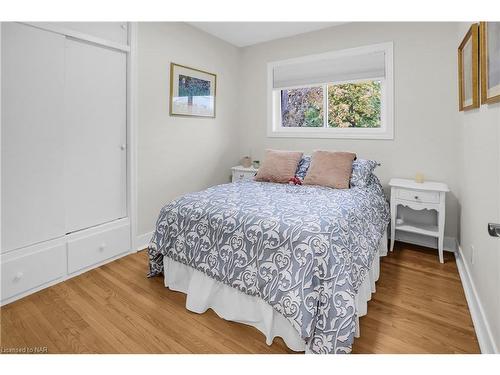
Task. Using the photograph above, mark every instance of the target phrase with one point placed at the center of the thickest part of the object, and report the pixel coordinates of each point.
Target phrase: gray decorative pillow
(303, 166)
(362, 171)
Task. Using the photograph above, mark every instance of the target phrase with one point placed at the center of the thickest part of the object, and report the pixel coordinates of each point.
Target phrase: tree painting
(190, 86)
(349, 105)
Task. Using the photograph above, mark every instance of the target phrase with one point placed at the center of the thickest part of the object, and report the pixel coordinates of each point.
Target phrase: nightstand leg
(441, 236)
(441, 256)
(393, 223)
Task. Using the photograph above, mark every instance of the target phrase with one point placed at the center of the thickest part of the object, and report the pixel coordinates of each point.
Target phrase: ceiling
(243, 34)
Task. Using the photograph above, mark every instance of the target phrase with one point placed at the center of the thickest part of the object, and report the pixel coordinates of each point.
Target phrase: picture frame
(468, 70)
(192, 92)
(489, 34)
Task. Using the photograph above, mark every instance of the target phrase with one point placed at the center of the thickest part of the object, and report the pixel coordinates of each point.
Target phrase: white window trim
(386, 131)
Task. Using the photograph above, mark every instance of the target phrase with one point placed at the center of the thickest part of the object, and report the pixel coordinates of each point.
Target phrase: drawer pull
(102, 247)
(18, 276)
(416, 197)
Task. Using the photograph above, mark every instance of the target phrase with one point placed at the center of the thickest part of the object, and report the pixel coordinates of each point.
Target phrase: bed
(294, 261)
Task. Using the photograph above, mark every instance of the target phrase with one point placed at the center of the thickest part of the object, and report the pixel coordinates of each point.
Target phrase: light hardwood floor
(419, 307)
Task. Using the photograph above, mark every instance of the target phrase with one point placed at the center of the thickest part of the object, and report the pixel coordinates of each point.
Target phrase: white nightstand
(241, 173)
(418, 196)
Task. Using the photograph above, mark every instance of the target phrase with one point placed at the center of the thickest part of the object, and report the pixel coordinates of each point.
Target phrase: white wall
(425, 100)
(177, 155)
(479, 197)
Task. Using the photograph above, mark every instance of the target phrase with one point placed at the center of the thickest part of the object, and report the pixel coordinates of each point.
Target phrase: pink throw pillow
(278, 166)
(331, 169)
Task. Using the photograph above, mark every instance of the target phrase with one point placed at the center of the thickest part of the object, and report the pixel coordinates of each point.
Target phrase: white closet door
(32, 135)
(95, 135)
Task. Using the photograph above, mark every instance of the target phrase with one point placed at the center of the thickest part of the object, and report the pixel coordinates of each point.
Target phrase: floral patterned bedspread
(305, 250)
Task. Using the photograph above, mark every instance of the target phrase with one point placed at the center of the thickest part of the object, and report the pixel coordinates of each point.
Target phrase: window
(302, 107)
(341, 94)
(350, 105)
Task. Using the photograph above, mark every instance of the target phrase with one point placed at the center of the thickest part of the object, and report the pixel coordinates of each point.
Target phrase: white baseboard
(481, 326)
(142, 241)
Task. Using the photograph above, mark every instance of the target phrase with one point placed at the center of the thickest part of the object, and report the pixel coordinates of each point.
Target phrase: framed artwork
(489, 33)
(468, 70)
(192, 92)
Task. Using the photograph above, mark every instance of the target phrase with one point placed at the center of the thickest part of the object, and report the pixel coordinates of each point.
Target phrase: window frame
(385, 131)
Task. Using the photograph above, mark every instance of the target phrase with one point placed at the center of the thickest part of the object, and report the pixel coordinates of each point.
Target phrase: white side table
(240, 173)
(418, 196)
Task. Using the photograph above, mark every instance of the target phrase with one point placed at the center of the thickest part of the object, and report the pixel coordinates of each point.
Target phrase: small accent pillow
(362, 171)
(278, 166)
(303, 166)
(330, 169)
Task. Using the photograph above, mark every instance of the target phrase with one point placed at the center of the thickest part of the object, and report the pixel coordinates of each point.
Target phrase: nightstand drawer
(241, 174)
(418, 196)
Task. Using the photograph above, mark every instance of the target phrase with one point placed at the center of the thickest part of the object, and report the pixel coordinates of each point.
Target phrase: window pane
(354, 105)
(302, 107)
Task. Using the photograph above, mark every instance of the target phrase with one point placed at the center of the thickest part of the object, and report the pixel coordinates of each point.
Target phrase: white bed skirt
(205, 293)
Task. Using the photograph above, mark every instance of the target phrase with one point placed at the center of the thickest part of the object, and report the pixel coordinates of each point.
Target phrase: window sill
(331, 133)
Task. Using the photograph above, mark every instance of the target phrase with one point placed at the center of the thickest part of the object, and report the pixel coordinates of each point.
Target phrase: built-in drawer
(89, 247)
(31, 267)
(418, 196)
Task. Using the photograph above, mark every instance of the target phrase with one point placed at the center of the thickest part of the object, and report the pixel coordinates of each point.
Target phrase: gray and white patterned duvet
(305, 250)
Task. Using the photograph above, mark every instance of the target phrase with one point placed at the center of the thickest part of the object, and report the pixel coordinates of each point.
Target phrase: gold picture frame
(468, 70)
(192, 92)
(490, 78)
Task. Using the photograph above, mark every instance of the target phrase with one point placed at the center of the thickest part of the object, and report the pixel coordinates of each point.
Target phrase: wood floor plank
(419, 307)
